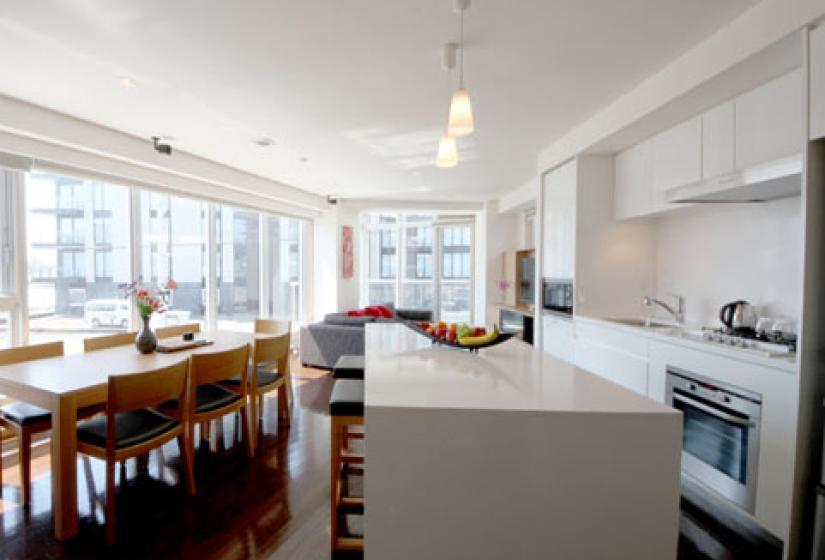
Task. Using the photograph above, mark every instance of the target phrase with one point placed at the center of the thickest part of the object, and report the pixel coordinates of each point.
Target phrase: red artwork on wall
(347, 251)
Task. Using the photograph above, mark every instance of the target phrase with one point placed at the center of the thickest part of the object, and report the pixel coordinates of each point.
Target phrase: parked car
(106, 312)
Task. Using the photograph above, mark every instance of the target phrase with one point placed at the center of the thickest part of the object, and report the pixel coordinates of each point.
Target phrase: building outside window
(238, 268)
(284, 263)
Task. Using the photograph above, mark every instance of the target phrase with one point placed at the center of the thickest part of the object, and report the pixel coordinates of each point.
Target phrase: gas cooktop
(774, 344)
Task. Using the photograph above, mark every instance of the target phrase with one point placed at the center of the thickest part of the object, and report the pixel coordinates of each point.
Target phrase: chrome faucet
(678, 314)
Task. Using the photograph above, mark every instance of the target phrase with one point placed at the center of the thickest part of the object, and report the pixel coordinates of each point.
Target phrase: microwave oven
(558, 296)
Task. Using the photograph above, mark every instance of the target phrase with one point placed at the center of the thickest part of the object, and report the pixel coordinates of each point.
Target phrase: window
(174, 244)
(78, 253)
(284, 266)
(6, 235)
(445, 289)
(238, 268)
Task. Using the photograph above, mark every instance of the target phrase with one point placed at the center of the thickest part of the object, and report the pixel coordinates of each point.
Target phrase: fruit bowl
(502, 337)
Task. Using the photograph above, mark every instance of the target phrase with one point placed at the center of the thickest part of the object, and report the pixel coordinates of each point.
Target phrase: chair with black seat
(346, 409)
(211, 399)
(95, 343)
(25, 419)
(349, 366)
(132, 426)
(278, 326)
(269, 371)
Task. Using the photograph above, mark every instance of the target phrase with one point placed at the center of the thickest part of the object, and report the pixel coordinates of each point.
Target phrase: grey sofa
(323, 343)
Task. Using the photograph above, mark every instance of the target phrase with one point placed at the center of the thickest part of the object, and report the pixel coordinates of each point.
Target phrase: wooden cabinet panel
(718, 151)
(632, 182)
(769, 121)
(677, 159)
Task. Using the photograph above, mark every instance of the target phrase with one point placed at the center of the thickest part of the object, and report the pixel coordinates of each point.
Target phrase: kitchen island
(510, 453)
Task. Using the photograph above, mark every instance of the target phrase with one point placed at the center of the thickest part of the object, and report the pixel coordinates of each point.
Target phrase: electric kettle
(738, 315)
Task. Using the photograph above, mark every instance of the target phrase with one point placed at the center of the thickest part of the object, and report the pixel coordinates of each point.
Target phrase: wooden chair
(24, 419)
(177, 330)
(275, 326)
(346, 410)
(269, 371)
(132, 427)
(108, 341)
(209, 400)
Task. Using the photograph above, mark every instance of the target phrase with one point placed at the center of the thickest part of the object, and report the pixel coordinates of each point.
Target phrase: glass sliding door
(174, 244)
(455, 282)
(238, 284)
(417, 281)
(284, 261)
(78, 242)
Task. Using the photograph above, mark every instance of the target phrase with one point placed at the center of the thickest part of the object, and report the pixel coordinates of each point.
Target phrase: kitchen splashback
(714, 254)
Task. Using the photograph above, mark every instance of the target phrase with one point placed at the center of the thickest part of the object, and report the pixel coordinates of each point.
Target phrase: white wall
(502, 235)
(712, 254)
(325, 264)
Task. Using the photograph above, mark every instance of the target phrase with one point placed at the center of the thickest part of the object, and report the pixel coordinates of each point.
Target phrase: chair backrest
(177, 330)
(148, 388)
(212, 367)
(31, 352)
(268, 349)
(272, 326)
(108, 341)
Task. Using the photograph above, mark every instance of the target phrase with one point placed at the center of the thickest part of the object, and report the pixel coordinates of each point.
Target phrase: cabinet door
(560, 222)
(718, 154)
(769, 121)
(677, 159)
(817, 76)
(632, 182)
(557, 337)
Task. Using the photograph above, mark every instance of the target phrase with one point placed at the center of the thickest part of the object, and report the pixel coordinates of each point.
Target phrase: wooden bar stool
(346, 409)
(349, 366)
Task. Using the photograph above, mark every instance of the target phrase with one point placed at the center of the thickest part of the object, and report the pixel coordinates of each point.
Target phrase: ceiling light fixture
(447, 155)
(264, 142)
(461, 110)
(127, 82)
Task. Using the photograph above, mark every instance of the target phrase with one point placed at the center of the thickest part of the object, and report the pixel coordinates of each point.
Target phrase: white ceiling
(353, 87)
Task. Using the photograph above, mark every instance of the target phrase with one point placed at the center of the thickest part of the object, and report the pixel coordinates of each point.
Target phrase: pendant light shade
(461, 114)
(447, 151)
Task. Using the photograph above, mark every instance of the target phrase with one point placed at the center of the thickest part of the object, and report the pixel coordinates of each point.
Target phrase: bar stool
(346, 409)
(349, 366)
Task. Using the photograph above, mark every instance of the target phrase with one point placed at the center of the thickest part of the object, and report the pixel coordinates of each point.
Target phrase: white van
(107, 312)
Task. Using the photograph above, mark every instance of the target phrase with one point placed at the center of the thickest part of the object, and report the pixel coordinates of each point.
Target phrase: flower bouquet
(149, 298)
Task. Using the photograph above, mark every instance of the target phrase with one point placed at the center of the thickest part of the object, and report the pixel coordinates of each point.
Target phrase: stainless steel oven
(720, 439)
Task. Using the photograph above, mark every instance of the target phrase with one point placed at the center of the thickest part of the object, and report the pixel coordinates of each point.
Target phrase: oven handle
(715, 411)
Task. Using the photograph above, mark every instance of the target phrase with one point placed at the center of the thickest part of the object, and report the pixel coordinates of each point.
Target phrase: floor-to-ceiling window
(434, 259)
(174, 244)
(284, 267)
(238, 267)
(8, 300)
(78, 250)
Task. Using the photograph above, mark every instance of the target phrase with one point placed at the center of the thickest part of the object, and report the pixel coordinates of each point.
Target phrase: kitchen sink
(643, 323)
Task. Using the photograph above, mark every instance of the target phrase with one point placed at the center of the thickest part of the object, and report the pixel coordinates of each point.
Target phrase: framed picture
(347, 251)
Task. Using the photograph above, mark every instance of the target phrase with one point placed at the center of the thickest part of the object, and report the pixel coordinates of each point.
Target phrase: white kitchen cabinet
(676, 159)
(817, 77)
(633, 181)
(557, 337)
(560, 222)
(718, 141)
(769, 121)
(612, 353)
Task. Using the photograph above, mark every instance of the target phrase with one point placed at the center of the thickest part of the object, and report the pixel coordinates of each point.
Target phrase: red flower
(143, 294)
(172, 285)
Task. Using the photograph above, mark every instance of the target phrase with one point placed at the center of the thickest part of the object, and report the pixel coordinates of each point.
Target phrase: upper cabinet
(633, 182)
(760, 126)
(559, 245)
(769, 121)
(817, 77)
(718, 132)
(677, 159)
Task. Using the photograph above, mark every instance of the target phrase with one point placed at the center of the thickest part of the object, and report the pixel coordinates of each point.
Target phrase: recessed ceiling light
(127, 82)
(265, 142)
(303, 159)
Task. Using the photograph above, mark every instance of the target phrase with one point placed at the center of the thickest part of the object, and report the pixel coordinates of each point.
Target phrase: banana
(479, 340)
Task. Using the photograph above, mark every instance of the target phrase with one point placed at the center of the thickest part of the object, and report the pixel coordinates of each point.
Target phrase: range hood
(777, 179)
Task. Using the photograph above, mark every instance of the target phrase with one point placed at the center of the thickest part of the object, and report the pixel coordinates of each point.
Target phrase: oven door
(719, 448)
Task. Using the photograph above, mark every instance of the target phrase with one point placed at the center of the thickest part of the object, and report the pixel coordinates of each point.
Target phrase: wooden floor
(275, 506)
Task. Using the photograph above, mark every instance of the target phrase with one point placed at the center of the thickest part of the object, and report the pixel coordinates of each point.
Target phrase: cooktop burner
(770, 343)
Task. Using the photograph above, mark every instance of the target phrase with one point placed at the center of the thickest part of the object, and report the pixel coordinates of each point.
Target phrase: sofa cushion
(344, 320)
(386, 312)
(372, 311)
(355, 313)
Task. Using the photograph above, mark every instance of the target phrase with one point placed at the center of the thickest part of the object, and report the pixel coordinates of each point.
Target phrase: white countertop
(404, 369)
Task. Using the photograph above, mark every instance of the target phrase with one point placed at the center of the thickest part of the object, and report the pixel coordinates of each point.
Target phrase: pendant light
(447, 148)
(461, 110)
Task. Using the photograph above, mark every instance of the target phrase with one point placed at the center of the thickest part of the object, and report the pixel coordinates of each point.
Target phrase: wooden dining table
(64, 384)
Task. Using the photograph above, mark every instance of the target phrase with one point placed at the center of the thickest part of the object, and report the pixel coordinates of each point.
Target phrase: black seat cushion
(131, 428)
(265, 376)
(347, 398)
(23, 414)
(349, 366)
(208, 397)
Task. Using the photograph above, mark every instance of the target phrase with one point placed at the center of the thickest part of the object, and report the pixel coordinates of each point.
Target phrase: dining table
(64, 384)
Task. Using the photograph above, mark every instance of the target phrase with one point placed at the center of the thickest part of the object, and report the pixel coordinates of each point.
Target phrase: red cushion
(385, 311)
(372, 311)
(355, 313)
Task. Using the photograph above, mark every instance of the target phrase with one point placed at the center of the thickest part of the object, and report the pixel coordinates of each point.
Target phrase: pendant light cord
(461, 51)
